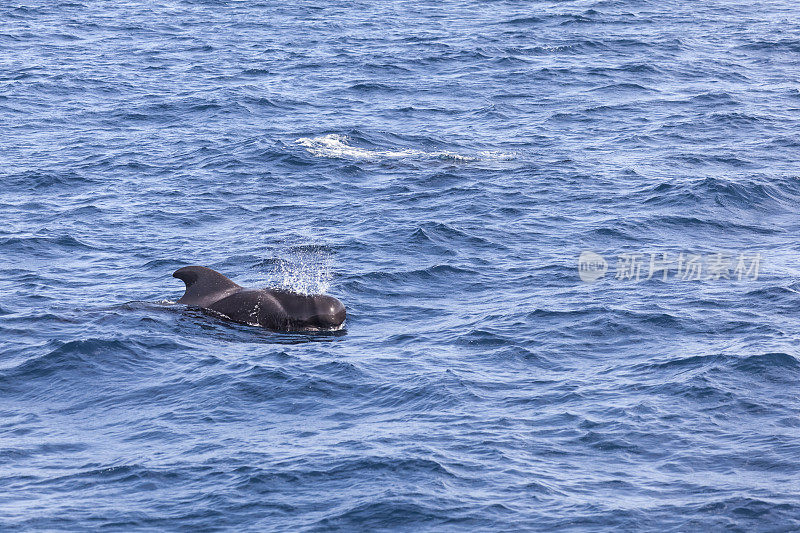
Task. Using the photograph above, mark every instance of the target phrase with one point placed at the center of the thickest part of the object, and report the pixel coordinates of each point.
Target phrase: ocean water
(440, 167)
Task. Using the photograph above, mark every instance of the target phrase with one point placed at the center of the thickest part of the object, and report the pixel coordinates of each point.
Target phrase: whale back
(282, 310)
(204, 286)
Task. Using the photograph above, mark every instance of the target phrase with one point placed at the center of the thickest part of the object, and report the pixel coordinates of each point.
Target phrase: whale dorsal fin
(204, 286)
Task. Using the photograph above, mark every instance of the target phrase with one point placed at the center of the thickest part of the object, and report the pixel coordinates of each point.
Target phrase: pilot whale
(273, 309)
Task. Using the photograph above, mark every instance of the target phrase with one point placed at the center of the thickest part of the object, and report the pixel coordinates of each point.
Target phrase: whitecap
(338, 146)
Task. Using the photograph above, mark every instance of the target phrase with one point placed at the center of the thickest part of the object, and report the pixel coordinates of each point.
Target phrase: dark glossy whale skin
(269, 308)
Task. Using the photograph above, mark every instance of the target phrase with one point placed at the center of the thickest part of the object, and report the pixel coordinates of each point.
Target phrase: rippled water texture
(439, 167)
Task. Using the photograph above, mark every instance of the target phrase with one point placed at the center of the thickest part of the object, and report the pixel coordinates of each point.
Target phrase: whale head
(310, 312)
(329, 313)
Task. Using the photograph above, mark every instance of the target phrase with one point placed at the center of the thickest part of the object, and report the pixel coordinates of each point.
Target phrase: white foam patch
(338, 146)
(494, 155)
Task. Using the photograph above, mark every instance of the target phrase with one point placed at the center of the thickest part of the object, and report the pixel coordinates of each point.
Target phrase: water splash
(303, 269)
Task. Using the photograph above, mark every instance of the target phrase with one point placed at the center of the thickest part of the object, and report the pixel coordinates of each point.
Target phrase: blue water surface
(439, 167)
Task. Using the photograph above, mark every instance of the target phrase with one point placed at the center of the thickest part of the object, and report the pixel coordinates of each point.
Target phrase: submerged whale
(269, 308)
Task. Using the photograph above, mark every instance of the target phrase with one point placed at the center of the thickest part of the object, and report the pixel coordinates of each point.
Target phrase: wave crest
(337, 146)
